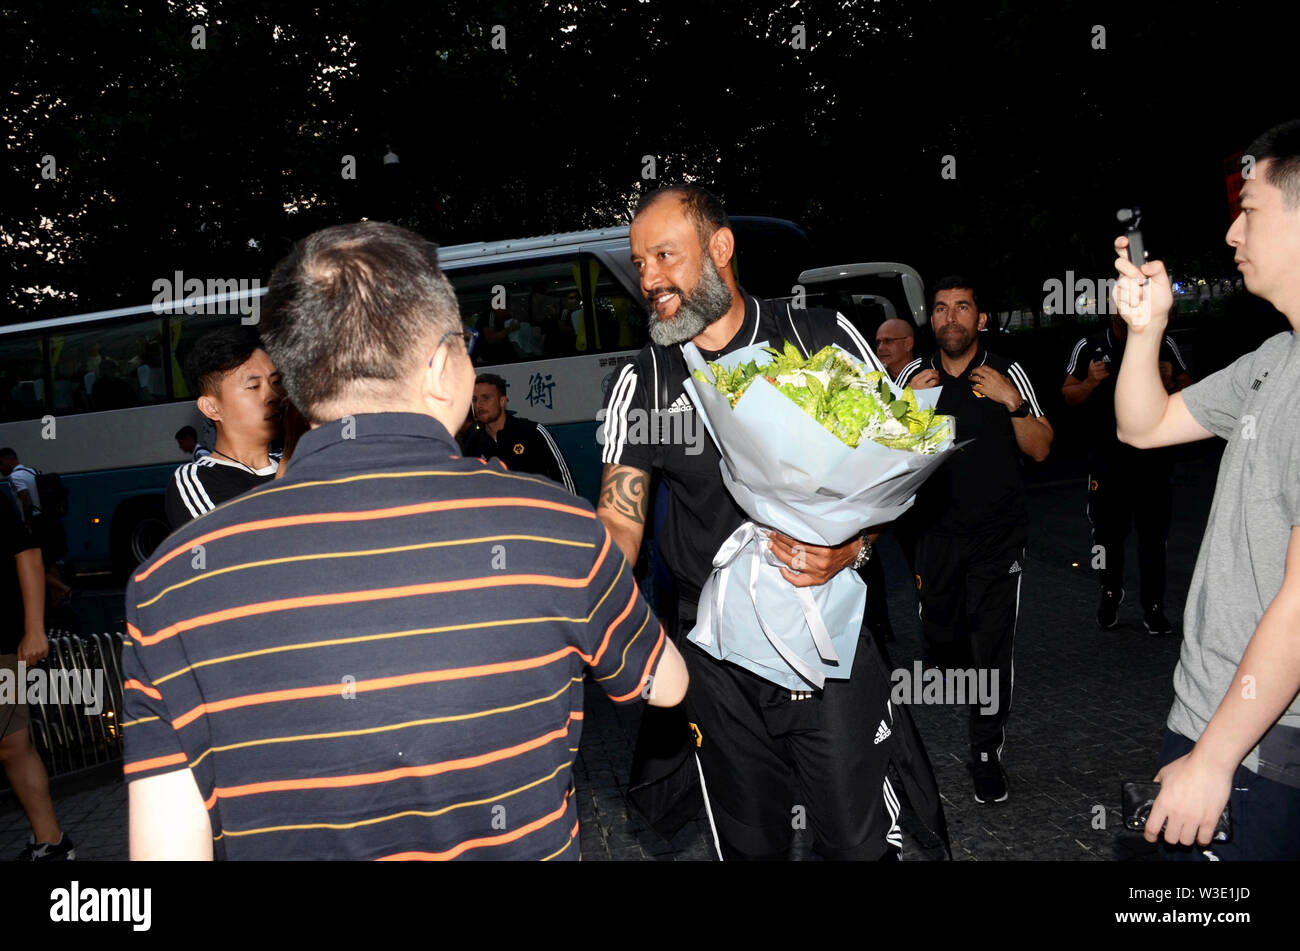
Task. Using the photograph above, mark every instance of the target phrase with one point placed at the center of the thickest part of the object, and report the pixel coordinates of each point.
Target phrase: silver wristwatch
(864, 554)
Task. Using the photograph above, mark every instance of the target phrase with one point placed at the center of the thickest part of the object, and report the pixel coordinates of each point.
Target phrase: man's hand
(33, 648)
(925, 379)
(986, 381)
(1192, 796)
(808, 565)
(1143, 297)
(1099, 370)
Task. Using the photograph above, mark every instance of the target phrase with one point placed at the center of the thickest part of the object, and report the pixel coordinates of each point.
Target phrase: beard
(957, 343)
(695, 311)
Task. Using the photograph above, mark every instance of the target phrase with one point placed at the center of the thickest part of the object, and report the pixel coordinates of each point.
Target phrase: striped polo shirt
(382, 655)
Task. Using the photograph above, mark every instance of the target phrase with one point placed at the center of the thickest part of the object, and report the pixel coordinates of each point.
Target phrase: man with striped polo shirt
(971, 519)
(346, 664)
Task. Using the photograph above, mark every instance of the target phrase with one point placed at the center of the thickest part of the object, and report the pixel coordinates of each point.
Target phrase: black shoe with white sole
(990, 781)
(1154, 620)
(1108, 609)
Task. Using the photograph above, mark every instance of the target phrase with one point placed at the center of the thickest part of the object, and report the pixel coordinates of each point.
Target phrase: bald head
(895, 340)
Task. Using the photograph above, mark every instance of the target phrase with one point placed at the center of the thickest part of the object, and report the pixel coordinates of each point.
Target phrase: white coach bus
(98, 397)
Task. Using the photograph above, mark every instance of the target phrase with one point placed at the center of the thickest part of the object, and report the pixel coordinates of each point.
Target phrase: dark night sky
(174, 158)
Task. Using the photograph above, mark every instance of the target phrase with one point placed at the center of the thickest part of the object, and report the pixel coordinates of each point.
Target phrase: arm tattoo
(623, 491)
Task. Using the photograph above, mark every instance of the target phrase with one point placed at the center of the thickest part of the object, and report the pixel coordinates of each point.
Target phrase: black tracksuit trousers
(969, 588)
(770, 764)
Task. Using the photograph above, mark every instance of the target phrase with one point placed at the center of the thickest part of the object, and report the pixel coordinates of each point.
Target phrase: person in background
(187, 438)
(1126, 486)
(895, 342)
(46, 528)
(971, 518)
(22, 639)
(494, 346)
(522, 444)
(239, 390)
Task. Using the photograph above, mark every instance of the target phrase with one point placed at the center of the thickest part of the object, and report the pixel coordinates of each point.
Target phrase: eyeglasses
(469, 336)
(880, 340)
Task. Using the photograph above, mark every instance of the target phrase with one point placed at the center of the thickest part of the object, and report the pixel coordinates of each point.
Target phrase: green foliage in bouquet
(848, 402)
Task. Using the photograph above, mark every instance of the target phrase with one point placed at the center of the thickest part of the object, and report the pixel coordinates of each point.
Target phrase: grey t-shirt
(1255, 405)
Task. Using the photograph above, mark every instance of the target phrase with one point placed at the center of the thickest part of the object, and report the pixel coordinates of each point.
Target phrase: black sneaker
(990, 781)
(1108, 609)
(1154, 620)
(61, 851)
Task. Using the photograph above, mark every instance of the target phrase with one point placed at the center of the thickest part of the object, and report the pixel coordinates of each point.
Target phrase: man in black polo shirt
(1126, 486)
(348, 664)
(239, 390)
(523, 445)
(971, 519)
(769, 759)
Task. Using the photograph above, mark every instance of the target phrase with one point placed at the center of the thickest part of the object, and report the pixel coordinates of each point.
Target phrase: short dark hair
(955, 282)
(7, 453)
(215, 354)
(702, 207)
(492, 380)
(187, 432)
(1281, 146)
(356, 304)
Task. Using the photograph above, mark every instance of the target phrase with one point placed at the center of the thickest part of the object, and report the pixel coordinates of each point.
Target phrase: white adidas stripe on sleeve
(868, 354)
(616, 423)
(1069, 364)
(1021, 379)
(908, 372)
(559, 458)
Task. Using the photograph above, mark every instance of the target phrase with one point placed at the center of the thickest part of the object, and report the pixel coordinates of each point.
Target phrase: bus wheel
(139, 526)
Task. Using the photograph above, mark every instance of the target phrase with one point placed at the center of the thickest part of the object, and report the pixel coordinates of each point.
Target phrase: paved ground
(1088, 713)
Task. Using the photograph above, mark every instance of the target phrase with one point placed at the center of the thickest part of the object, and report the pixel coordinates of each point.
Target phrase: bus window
(623, 320)
(184, 332)
(108, 367)
(526, 310)
(22, 378)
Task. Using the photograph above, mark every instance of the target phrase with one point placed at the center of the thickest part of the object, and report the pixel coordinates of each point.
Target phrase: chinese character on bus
(539, 390)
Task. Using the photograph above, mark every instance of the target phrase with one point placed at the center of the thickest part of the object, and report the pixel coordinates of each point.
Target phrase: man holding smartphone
(1234, 729)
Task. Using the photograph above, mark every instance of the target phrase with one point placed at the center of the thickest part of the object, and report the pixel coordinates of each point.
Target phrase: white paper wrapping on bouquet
(787, 472)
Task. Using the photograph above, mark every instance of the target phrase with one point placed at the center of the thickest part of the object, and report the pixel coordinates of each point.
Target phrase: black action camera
(1138, 798)
(1131, 219)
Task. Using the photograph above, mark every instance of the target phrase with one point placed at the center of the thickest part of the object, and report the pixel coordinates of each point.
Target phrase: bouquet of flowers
(834, 389)
(818, 449)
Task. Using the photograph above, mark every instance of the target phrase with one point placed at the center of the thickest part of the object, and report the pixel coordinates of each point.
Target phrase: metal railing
(68, 737)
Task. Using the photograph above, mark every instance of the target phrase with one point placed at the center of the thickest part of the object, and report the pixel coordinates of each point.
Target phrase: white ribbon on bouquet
(713, 599)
